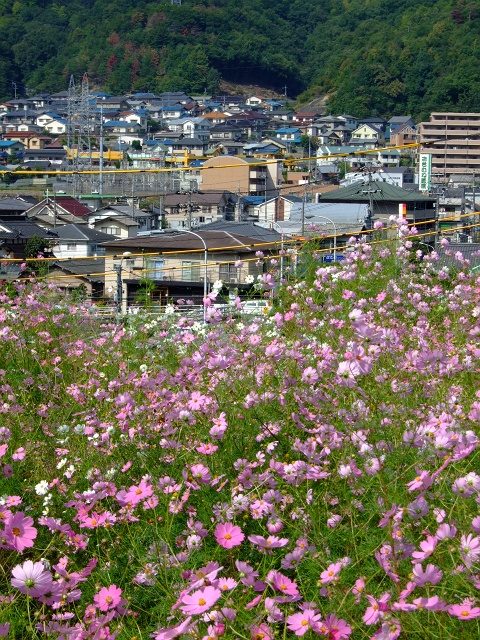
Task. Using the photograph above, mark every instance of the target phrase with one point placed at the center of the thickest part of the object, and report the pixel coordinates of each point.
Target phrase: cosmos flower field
(312, 472)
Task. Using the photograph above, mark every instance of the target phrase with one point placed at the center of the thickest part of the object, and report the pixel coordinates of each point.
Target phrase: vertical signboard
(402, 211)
(424, 171)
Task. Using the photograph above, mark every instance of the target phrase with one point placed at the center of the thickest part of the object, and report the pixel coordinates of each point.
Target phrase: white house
(79, 241)
(191, 127)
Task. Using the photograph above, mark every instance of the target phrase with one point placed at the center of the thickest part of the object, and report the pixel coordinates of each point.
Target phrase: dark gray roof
(76, 232)
(14, 205)
(12, 227)
(470, 251)
(243, 228)
(383, 192)
(86, 267)
(184, 241)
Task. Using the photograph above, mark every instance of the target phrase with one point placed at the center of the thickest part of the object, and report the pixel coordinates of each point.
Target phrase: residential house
(225, 131)
(385, 199)
(184, 210)
(283, 115)
(51, 213)
(191, 127)
(68, 275)
(181, 275)
(122, 220)
(377, 122)
(79, 241)
(291, 135)
(254, 101)
(173, 112)
(114, 103)
(229, 102)
(170, 98)
(11, 149)
(30, 139)
(404, 177)
(403, 134)
(134, 117)
(15, 232)
(53, 155)
(16, 206)
(194, 147)
(367, 135)
(248, 176)
(21, 116)
(305, 118)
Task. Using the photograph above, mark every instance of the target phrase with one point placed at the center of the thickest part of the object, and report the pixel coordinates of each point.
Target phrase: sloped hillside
(371, 56)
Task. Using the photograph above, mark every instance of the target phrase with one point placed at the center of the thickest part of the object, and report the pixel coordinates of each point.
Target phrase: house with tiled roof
(16, 231)
(51, 213)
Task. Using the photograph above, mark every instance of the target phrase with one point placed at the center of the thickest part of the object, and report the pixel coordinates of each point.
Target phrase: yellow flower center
(202, 602)
(228, 536)
(16, 531)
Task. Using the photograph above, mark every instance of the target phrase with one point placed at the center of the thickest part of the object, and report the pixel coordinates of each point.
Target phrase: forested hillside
(370, 56)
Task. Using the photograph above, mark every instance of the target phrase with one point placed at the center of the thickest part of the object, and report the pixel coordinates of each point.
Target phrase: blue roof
(120, 123)
(288, 130)
(179, 108)
(197, 163)
(8, 143)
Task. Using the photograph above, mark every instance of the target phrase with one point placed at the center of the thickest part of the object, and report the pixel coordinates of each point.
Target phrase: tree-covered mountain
(370, 56)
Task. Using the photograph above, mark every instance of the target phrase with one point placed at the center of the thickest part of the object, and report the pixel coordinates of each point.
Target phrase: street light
(205, 272)
(118, 269)
(335, 234)
(272, 223)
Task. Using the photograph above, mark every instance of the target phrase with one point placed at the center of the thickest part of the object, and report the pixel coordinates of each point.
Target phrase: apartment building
(453, 140)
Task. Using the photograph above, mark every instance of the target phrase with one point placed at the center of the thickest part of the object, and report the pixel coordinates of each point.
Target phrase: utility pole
(437, 220)
(303, 209)
(100, 177)
(266, 178)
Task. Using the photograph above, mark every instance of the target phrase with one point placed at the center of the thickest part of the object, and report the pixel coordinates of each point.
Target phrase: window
(190, 271)
(71, 246)
(156, 269)
(228, 273)
(114, 231)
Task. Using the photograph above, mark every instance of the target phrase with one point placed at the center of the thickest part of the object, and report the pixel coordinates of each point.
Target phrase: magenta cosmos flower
(108, 598)
(200, 601)
(228, 535)
(31, 578)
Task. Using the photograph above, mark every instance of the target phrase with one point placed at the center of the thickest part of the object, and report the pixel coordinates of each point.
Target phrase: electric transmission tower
(80, 127)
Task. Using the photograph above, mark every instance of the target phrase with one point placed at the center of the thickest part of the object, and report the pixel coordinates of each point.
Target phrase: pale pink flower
(228, 535)
(431, 574)
(32, 579)
(464, 611)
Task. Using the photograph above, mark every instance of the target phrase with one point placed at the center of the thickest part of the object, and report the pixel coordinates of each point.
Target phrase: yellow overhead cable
(297, 239)
(292, 161)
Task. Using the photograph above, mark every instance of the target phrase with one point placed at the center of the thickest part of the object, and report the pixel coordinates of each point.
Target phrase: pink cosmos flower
(431, 574)
(330, 574)
(272, 542)
(201, 600)
(108, 598)
(4, 629)
(228, 535)
(32, 579)
(283, 584)
(301, 622)
(173, 632)
(464, 611)
(335, 627)
(19, 531)
(427, 548)
(376, 609)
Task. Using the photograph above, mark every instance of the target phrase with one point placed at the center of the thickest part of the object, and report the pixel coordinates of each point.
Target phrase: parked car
(256, 307)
